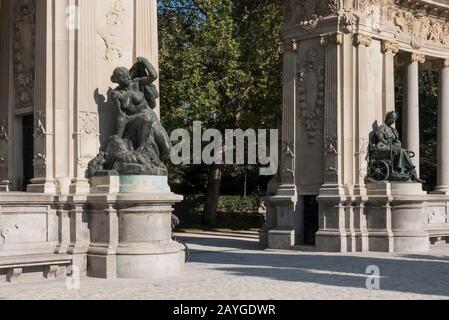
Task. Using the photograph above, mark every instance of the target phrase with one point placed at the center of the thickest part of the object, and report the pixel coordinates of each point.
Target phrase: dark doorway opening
(310, 219)
(27, 150)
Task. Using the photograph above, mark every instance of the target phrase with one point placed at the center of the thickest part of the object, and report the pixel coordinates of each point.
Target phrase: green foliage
(428, 118)
(236, 204)
(219, 65)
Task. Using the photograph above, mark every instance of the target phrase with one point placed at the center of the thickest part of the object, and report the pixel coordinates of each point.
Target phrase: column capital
(444, 63)
(362, 39)
(417, 57)
(335, 38)
(390, 47)
(290, 45)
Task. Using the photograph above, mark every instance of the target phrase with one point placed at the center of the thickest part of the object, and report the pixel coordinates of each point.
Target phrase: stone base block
(263, 239)
(396, 218)
(330, 241)
(131, 230)
(102, 266)
(281, 239)
(149, 266)
(112, 184)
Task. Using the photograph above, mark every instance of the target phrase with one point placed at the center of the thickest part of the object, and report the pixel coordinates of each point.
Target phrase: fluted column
(146, 37)
(44, 181)
(362, 43)
(389, 50)
(411, 139)
(86, 132)
(443, 130)
(283, 235)
(6, 163)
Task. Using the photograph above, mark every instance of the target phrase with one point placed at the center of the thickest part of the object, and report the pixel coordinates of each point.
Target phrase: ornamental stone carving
(361, 39)
(311, 79)
(410, 21)
(331, 159)
(24, 51)
(445, 63)
(308, 13)
(417, 57)
(335, 38)
(109, 33)
(389, 47)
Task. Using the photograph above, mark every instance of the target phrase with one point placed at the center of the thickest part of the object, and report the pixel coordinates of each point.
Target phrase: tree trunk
(213, 192)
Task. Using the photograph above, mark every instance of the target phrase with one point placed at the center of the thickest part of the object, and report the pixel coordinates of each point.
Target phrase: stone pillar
(443, 130)
(389, 50)
(86, 133)
(363, 129)
(283, 236)
(130, 231)
(363, 125)
(411, 139)
(332, 235)
(5, 98)
(146, 37)
(44, 178)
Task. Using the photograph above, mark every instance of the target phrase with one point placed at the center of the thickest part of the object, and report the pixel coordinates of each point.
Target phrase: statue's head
(391, 117)
(121, 76)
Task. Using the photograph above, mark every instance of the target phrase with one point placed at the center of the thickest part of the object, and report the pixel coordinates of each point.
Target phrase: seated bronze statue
(388, 161)
(140, 144)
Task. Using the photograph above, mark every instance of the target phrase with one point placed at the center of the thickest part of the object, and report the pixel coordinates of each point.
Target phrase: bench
(14, 265)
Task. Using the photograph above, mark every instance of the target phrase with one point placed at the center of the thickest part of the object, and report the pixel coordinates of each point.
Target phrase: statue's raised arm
(145, 74)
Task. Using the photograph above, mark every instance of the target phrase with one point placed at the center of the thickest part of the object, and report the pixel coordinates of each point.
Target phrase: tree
(220, 65)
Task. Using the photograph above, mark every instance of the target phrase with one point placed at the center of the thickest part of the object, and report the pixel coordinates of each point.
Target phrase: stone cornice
(335, 38)
(361, 39)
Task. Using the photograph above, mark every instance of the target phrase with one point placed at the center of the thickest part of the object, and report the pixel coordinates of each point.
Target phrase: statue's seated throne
(381, 165)
(387, 160)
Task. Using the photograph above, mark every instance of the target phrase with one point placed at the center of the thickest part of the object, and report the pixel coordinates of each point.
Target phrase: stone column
(443, 130)
(283, 236)
(363, 125)
(86, 133)
(44, 181)
(332, 235)
(146, 37)
(5, 89)
(362, 129)
(389, 50)
(411, 141)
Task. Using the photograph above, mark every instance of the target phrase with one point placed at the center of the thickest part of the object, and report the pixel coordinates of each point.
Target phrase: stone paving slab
(231, 267)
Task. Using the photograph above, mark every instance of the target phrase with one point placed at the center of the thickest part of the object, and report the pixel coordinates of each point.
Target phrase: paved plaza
(229, 265)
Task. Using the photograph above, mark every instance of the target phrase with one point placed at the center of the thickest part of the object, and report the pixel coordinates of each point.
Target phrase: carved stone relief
(308, 13)
(24, 51)
(109, 32)
(311, 79)
(88, 123)
(40, 165)
(288, 155)
(415, 24)
(3, 130)
(437, 215)
(331, 159)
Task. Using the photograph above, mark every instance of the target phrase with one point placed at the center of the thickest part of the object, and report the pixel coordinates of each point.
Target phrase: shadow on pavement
(420, 274)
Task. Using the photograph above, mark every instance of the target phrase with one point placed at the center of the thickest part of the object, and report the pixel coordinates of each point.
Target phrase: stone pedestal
(396, 218)
(332, 235)
(284, 206)
(131, 232)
